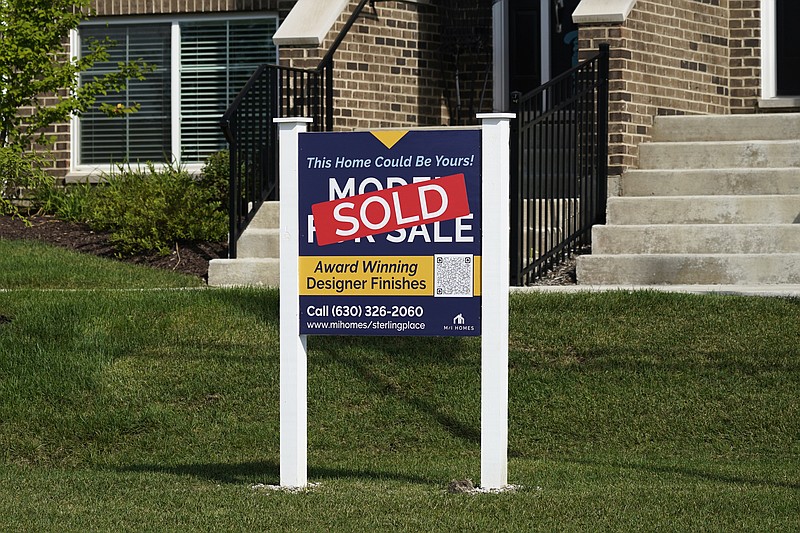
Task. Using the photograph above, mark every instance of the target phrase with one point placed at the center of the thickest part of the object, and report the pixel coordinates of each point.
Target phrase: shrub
(21, 174)
(215, 176)
(70, 202)
(153, 209)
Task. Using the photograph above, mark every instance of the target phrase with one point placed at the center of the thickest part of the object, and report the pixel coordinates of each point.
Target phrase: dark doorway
(787, 16)
(563, 37)
(526, 41)
(525, 45)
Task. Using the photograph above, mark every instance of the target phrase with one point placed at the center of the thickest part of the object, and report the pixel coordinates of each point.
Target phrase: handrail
(559, 183)
(272, 91)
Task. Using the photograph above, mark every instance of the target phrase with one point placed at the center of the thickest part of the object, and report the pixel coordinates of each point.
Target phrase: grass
(36, 265)
(158, 410)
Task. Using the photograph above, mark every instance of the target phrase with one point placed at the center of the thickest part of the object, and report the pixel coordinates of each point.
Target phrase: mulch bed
(189, 259)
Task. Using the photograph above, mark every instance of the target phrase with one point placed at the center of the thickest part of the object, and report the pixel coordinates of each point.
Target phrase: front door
(787, 15)
(540, 41)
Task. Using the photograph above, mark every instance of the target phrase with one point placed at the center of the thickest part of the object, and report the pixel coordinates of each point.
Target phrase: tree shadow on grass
(717, 477)
(267, 472)
(338, 349)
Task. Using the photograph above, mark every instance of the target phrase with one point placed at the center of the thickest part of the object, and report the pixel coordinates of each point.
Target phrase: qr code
(452, 275)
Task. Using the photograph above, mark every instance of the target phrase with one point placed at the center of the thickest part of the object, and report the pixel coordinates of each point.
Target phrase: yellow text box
(366, 276)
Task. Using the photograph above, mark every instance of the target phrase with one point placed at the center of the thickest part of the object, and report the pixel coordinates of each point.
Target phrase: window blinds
(140, 136)
(216, 59)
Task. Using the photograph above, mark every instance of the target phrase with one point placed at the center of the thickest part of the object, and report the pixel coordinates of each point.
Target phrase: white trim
(602, 11)
(769, 56)
(309, 22)
(74, 123)
(175, 91)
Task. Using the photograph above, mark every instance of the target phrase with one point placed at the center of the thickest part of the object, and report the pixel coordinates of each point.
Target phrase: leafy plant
(215, 176)
(34, 68)
(20, 173)
(70, 202)
(153, 209)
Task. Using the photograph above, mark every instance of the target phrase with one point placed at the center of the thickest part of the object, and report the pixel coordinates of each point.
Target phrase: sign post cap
(289, 120)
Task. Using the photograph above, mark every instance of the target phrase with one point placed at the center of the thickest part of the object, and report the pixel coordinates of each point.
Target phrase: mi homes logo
(458, 324)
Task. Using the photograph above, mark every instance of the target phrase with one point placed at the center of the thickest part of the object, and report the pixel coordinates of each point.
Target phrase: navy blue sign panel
(390, 232)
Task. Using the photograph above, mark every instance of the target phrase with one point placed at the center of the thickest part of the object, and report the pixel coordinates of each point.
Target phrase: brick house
(407, 63)
(420, 62)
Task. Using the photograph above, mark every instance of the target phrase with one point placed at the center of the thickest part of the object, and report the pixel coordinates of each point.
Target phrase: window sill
(95, 174)
(780, 102)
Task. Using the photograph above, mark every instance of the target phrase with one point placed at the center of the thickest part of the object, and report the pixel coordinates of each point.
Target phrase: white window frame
(769, 61)
(769, 53)
(80, 172)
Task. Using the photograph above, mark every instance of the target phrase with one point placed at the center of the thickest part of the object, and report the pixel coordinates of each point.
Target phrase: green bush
(215, 176)
(153, 209)
(21, 174)
(65, 202)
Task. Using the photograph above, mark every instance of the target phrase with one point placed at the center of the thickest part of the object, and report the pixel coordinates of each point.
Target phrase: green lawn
(158, 411)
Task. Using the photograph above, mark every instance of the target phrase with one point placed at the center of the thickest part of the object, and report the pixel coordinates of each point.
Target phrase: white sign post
(293, 360)
(495, 138)
(495, 156)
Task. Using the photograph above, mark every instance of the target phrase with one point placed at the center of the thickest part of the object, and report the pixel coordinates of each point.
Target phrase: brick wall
(395, 68)
(159, 7)
(745, 55)
(666, 58)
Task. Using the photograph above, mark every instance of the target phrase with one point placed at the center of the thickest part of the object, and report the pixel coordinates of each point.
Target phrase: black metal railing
(559, 164)
(273, 91)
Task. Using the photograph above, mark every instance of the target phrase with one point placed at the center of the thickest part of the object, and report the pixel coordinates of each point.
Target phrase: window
(200, 66)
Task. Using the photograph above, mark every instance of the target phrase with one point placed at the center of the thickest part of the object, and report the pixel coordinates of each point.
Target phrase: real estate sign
(390, 232)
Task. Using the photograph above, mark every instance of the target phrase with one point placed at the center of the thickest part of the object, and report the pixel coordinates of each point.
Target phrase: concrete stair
(258, 253)
(716, 201)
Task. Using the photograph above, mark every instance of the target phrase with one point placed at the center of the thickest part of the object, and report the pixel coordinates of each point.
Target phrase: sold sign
(390, 209)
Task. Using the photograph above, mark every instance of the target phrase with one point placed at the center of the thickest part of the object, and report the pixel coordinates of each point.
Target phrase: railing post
(329, 95)
(516, 231)
(233, 189)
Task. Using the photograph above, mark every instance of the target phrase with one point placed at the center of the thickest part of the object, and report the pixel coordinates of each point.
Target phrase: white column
(495, 155)
(293, 371)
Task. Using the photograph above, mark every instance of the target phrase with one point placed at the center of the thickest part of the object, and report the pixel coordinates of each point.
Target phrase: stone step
(704, 210)
(682, 269)
(697, 239)
(725, 154)
(259, 243)
(244, 272)
(775, 126)
(268, 216)
(746, 181)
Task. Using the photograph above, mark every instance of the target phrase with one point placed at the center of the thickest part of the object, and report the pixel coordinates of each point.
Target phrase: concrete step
(682, 269)
(775, 126)
(724, 154)
(259, 243)
(268, 216)
(697, 239)
(721, 209)
(244, 272)
(747, 181)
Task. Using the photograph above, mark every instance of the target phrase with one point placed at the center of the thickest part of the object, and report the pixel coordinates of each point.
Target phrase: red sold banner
(390, 209)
